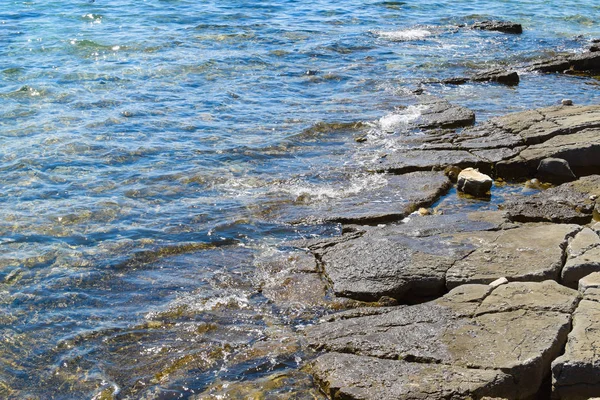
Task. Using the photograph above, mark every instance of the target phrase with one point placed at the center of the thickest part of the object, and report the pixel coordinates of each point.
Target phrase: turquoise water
(150, 151)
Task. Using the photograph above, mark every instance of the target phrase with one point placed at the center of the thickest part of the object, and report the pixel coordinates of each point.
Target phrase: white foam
(399, 120)
(404, 35)
(357, 184)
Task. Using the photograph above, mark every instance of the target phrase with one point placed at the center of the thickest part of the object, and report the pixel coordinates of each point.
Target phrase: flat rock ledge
(477, 341)
(510, 146)
(411, 262)
(496, 304)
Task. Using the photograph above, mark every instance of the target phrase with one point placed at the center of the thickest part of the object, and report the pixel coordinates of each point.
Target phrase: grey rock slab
(406, 261)
(543, 296)
(533, 253)
(429, 113)
(578, 267)
(499, 76)
(522, 332)
(393, 198)
(347, 376)
(580, 150)
(407, 160)
(421, 226)
(396, 266)
(576, 374)
(589, 281)
(566, 203)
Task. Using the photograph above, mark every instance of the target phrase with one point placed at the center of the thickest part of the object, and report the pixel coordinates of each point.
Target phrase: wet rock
(583, 62)
(567, 203)
(580, 150)
(296, 385)
(449, 334)
(576, 374)
(583, 257)
(473, 182)
(505, 27)
(555, 170)
(403, 161)
(452, 173)
(497, 75)
(566, 102)
(529, 253)
(430, 113)
(390, 198)
(407, 262)
(439, 113)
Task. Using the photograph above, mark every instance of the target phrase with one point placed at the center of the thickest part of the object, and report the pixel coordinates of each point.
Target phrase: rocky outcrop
(501, 329)
(582, 62)
(529, 253)
(407, 262)
(576, 374)
(430, 112)
(500, 26)
(506, 337)
(506, 77)
(512, 146)
(571, 202)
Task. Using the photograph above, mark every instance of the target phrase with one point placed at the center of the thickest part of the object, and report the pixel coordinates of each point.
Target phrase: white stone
(473, 182)
(498, 282)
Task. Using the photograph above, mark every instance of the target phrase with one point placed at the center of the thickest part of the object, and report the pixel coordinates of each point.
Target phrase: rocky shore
(489, 304)
(504, 305)
(500, 304)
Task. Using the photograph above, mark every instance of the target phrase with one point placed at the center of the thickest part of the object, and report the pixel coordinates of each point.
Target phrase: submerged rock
(473, 182)
(506, 336)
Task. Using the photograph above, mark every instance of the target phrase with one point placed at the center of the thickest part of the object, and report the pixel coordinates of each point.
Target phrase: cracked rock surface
(512, 145)
(508, 336)
(576, 374)
(407, 261)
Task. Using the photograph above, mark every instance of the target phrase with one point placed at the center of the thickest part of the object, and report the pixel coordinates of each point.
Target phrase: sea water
(152, 151)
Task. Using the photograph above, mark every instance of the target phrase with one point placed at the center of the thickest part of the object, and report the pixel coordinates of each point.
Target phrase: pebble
(566, 102)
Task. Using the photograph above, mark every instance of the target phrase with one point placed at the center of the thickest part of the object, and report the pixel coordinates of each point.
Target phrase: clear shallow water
(149, 152)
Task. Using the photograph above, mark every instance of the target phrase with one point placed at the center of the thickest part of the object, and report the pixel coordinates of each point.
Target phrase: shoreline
(503, 301)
